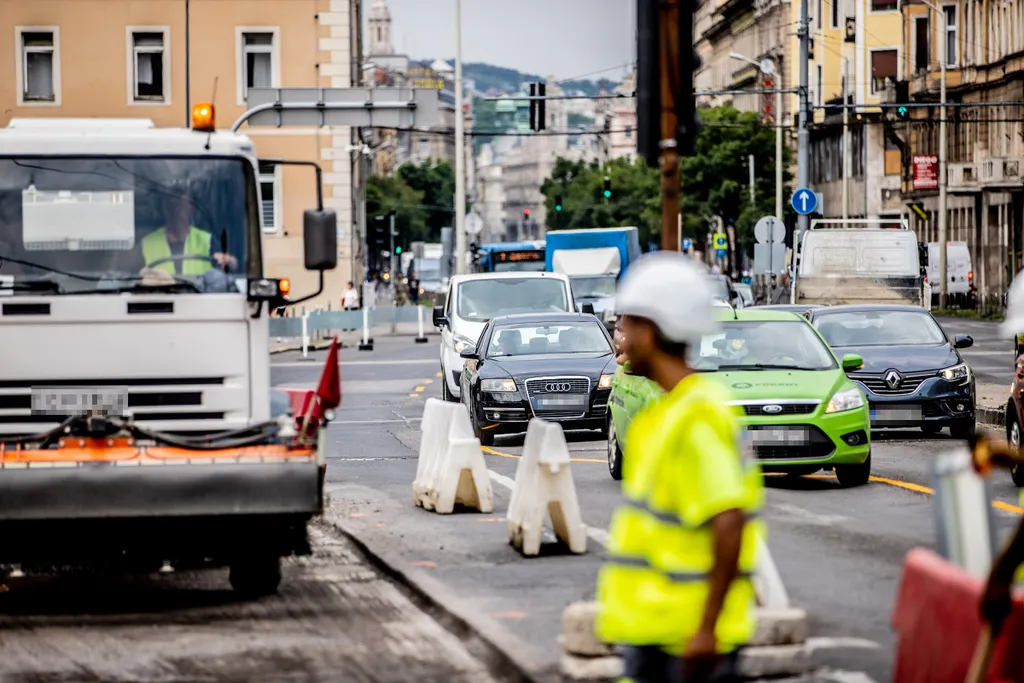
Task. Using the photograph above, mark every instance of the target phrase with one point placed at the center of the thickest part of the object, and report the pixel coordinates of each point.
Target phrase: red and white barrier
(938, 623)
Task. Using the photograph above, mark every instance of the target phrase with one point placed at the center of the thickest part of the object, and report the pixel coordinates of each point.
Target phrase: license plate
(560, 402)
(778, 437)
(79, 401)
(901, 414)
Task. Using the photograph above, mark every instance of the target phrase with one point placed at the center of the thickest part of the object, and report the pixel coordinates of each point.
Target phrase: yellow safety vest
(155, 247)
(685, 464)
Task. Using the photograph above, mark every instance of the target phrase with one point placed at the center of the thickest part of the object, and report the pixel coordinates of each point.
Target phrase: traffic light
(538, 108)
(526, 215)
(903, 112)
(558, 202)
(398, 250)
(607, 187)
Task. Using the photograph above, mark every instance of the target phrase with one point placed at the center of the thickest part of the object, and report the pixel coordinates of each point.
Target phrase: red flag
(328, 392)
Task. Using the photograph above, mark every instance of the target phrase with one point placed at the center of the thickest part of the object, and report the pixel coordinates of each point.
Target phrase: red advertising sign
(926, 172)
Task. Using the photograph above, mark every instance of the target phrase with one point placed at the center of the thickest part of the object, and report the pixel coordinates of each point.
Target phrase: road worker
(180, 248)
(1009, 565)
(676, 592)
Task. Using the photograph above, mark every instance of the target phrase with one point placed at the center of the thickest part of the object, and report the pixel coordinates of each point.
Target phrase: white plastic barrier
(451, 468)
(768, 585)
(544, 489)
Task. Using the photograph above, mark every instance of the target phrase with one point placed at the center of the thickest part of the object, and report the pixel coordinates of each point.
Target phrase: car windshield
(561, 338)
(110, 224)
(879, 328)
(719, 288)
(593, 287)
(428, 269)
(764, 345)
(481, 300)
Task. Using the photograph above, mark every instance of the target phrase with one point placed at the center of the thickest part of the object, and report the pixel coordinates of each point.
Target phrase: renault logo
(772, 409)
(893, 379)
(557, 387)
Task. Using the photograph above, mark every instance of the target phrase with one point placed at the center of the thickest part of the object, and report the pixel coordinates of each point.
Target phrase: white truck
(860, 262)
(136, 427)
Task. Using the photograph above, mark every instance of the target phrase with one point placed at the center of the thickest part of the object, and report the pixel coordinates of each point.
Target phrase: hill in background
(490, 79)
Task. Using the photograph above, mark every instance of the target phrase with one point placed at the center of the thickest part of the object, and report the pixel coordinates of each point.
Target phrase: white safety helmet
(1014, 321)
(671, 291)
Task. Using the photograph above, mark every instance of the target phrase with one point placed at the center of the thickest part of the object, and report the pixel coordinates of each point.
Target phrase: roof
(757, 313)
(867, 308)
(510, 275)
(60, 136)
(544, 317)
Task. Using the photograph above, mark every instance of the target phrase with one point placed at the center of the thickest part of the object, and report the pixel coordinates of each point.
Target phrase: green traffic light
(398, 250)
(903, 112)
(558, 207)
(607, 194)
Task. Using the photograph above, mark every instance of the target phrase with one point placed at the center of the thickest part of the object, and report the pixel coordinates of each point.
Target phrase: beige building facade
(127, 59)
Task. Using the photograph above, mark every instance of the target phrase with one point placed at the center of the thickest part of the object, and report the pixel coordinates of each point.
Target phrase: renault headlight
(496, 386)
(957, 373)
(461, 342)
(847, 399)
(605, 382)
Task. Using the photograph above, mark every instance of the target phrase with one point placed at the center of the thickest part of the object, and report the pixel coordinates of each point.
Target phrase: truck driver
(180, 248)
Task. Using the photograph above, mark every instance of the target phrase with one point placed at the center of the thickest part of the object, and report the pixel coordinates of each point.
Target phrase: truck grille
(877, 384)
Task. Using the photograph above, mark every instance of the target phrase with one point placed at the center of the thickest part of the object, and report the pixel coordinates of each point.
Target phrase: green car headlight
(498, 385)
(845, 399)
(956, 373)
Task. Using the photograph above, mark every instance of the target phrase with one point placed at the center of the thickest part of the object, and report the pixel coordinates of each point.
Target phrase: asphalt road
(840, 551)
(991, 357)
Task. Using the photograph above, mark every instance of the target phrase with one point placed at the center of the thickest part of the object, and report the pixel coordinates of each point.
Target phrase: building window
(884, 66)
(835, 13)
(885, 5)
(921, 51)
(819, 91)
(950, 13)
(258, 63)
(424, 148)
(821, 14)
(39, 66)
(268, 197)
(149, 66)
(629, 132)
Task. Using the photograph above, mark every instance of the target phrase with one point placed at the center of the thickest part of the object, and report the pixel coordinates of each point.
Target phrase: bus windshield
(109, 224)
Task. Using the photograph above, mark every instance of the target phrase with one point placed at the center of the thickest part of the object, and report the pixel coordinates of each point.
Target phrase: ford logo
(557, 387)
(772, 409)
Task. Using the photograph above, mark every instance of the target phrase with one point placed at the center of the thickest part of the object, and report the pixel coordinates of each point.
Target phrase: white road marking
(376, 422)
(842, 643)
(350, 363)
(808, 516)
(599, 536)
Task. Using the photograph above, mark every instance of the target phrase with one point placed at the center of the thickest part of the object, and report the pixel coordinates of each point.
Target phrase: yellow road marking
(438, 375)
(424, 563)
(918, 488)
(420, 390)
(428, 381)
(509, 455)
(415, 395)
(492, 519)
(509, 615)
(489, 427)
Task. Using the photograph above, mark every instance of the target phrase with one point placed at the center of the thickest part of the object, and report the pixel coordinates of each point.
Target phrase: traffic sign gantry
(804, 201)
(721, 240)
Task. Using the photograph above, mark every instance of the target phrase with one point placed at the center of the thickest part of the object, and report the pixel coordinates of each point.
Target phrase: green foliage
(715, 182)
(384, 194)
(436, 184)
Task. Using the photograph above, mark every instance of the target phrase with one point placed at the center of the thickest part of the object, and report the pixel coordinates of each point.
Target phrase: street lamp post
(943, 173)
(768, 67)
(460, 151)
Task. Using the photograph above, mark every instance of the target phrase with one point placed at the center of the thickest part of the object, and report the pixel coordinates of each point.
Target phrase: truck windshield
(586, 287)
(106, 224)
(428, 269)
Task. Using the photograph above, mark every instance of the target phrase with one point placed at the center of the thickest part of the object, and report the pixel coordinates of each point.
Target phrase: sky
(560, 38)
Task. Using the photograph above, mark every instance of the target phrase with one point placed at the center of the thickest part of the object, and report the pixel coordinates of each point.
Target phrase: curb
(319, 346)
(506, 657)
(994, 417)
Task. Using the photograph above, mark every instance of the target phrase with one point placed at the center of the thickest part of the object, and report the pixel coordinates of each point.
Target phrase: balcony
(1002, 171)
(963, 177)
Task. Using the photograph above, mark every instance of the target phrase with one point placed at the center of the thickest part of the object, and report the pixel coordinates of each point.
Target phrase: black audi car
(913, 375)
(555, 366)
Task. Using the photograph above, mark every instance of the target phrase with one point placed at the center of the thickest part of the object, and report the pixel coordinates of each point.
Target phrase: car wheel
(614, 452)
(446, 393)
(965, 430)
(854, 475)
(486, 437)
(928, 428)
(1013, 436)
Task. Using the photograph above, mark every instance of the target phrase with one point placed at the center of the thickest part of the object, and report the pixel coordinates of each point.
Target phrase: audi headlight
(846, 399)
(957, 373)
(605, 382)
(461, 342)
(498, 385)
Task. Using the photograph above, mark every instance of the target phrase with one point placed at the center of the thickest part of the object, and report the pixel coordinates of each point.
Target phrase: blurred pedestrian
(414, 288)
(350, 301)
(676, 592)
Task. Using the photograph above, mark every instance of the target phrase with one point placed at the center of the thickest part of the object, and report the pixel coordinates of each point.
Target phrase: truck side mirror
(320, 239)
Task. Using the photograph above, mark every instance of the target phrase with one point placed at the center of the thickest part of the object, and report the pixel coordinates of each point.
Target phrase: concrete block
(578, 636)
(780, 627)
(778, 660)
(991, 416)
(591, 668)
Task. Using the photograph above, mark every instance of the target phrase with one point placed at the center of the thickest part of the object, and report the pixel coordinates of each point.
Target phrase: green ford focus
(802, 414)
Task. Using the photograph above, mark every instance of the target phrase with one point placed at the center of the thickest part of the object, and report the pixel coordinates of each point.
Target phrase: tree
(384, 194)
(435, 182)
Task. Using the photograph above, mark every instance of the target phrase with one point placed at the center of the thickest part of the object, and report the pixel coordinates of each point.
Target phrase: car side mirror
(320, 239)
(963, 341)
(851, 362)
(440, 319)
(469, 353)
(587, 308)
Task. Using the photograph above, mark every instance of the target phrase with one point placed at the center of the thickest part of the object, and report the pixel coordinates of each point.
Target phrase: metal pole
(942, 168)
(778, 155)
(803, 168)
(670, 180)
(394, 272)
(188, 70)
(750, 164)
(847, 166)
(460, 151)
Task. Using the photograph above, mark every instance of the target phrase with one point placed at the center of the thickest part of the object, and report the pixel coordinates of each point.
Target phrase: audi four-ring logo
(557, 387)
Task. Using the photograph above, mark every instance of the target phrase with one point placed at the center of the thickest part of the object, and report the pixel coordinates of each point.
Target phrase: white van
(474, 299)
(959, 273)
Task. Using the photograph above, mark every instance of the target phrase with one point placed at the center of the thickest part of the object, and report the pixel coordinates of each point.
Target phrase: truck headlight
(605, 382)
(957, 373)
(495, 386)
(846, 399)
(461, 342)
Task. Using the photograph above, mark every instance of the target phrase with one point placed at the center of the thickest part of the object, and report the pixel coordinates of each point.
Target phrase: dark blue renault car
(913, 374)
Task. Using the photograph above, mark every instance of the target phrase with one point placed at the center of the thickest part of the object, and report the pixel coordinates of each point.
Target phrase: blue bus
(505, 257)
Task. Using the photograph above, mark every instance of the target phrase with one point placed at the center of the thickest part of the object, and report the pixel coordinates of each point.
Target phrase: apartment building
(982, 42)
(150, 59)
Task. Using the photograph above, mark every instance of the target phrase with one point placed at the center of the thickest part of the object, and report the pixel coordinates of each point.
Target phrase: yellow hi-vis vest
(685, 464)
(155, 247)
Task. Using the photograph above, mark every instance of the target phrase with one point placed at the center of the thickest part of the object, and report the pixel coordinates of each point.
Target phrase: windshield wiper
(761, 366)
(48, 269)
(33, 286)
(135, 287)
